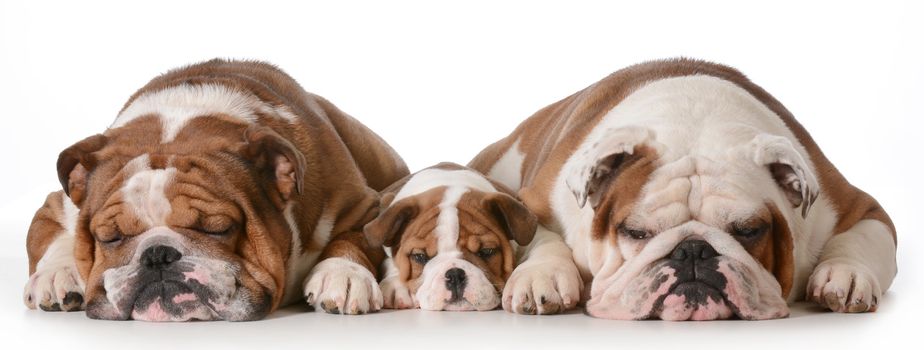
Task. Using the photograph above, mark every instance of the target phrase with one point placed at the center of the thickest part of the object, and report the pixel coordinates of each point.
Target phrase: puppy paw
(338, 286)
(844, 286)
(55, 288)
(397, 295)
(543, 287)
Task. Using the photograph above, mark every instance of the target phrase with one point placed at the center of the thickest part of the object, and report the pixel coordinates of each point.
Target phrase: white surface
(440, 82)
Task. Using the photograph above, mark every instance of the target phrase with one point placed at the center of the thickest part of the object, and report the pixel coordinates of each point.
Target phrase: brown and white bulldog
(451, 236)
(689, 193)
(211, 196)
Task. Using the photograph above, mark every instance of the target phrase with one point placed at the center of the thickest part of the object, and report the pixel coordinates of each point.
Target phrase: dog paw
(397, 295)
(55, 288)
(844, 286)
(543, 287)
(338, 286)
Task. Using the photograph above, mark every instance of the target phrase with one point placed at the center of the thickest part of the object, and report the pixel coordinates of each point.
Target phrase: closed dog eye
(749, 232)
(420, 258)
(633, 233)
(486, 253)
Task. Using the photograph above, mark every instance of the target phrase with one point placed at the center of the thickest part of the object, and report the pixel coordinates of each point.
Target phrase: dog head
(192, 228)
(698, 233)
(449, 231)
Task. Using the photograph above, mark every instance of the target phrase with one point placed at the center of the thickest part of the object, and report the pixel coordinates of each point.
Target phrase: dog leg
(855, 268)
(54, 282)
(344, 282)
(546, 280)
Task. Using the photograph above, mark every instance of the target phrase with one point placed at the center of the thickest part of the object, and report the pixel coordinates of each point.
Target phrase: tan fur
(551, 135)
(325, 162)
(47, 224)
(408, 226)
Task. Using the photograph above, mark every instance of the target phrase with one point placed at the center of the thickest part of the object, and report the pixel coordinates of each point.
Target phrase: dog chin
(695, 301)
(459, 305)
(443, 301)
(164, 301)
(658, 293)
(192, 289)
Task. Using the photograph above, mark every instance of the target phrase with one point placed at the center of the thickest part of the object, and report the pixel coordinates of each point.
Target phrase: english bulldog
(212, 196)
(687, 192)
(451, 236)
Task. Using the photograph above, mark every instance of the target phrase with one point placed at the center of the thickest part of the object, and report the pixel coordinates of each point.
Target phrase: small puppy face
(178, 232)
(449, 234)
(696, 237)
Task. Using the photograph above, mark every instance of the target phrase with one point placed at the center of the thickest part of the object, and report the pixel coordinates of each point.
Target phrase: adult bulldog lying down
(687, 192)
(211, 196)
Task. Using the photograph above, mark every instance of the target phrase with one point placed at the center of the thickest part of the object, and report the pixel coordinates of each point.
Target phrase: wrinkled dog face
(697, 238)
(174, 236)
(451, 245)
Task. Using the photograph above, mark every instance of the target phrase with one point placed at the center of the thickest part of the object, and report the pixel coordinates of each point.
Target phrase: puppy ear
(597, 164)
(788, 169)
(388, 227)
(75, 164)
(278, 158)
(517, 221)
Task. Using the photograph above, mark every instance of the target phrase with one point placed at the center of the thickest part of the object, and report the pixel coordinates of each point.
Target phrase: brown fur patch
(479, 228)
(773, 250)
(47, 224)
(342, 166)
(623, 191)
(551, 135)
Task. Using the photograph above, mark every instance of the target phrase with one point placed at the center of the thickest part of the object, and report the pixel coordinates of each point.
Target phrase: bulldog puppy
(687, 192)
(211, 196)
(451, 237)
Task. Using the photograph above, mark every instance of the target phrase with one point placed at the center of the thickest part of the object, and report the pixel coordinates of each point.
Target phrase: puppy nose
(455, 279)
(692, 250)
(159, 256)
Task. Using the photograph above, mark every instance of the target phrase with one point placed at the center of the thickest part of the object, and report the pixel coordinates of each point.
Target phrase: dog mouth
(694, 300)
(458, 304)
(167, 300)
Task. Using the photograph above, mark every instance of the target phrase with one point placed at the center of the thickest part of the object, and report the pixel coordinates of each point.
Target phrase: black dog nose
(159, 256)
(692, 250)
(455, 280)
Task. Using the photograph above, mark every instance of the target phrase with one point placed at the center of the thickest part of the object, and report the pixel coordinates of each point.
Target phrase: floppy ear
(597, 165)
(388, 227)
(278, 158)
(517, 221)
(783, 265)
(788, 168)
(75, 163)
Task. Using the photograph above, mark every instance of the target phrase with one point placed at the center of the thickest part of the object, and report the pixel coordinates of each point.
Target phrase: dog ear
(388, 227)
(787, 167)
(75, 164)
(517, 221)
(597, 164)
(783, 265)
(278, 158)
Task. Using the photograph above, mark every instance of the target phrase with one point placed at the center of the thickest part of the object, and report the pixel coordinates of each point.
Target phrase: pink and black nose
(455, 282)
(160, 257)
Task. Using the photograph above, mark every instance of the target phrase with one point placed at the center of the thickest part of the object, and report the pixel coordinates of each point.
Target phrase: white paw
(55, 288)
(397, 295)
(543, 287)
(844, 286)
(338, 285)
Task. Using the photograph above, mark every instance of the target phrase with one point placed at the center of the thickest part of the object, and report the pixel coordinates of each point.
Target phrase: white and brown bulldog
(211, 196)
(689, 193)
(451, 236)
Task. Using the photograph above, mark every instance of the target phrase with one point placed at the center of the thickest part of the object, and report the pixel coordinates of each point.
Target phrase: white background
(441, 81)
